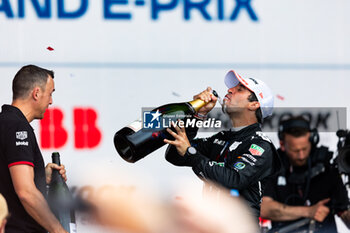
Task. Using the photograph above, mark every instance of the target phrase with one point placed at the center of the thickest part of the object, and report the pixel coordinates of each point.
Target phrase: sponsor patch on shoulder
(21, 135)
(263, 136)
(256, 150)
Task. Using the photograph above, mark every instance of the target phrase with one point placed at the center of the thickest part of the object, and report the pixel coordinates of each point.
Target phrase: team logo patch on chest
(256, 150)
(220, 142)
(239, 165)
(234, 146)
(213, 163)
(281, 181)
(21, 135)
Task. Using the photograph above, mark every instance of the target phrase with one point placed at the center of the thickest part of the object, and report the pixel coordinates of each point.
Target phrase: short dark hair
(296, 126)
(27, 78)
(258, 113)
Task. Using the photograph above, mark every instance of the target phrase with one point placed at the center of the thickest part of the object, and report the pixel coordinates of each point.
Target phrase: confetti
(49, 48)
(280, 97)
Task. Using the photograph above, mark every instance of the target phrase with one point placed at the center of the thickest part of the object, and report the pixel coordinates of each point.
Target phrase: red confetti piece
(49, 48)
(280, 97)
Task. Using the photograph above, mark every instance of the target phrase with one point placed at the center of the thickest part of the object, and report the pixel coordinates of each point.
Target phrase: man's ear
(253, 106)
(36, 93)
(282, 147)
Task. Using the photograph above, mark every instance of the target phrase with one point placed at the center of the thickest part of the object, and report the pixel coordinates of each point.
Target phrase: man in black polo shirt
(23, 176)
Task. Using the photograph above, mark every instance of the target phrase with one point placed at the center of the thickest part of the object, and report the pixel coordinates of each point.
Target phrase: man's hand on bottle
(49, 168)
(181, 141)
(207, 97)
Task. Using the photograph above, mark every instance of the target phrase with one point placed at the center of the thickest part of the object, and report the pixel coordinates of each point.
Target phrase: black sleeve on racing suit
(249, 166)
(202, 145)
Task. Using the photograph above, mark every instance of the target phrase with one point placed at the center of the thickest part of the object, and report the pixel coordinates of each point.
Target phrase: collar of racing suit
(249, 130)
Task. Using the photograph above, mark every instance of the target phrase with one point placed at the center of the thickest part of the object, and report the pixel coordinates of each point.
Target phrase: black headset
(298, 123)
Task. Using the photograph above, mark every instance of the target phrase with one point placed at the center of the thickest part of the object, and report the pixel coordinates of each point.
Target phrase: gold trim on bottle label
(197, 104)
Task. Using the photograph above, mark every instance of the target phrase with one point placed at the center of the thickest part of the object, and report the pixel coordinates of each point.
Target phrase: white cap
(258, 87)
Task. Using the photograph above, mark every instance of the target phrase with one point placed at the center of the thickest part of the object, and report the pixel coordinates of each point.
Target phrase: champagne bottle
(60, 199)
(134, 141)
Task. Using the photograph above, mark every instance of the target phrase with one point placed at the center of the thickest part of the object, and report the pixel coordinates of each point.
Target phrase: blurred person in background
(139, 211)
(4, 213)
(308, 186)
(240, 158)
(23, 176)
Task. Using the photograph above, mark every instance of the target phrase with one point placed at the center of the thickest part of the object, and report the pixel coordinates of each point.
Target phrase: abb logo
(54, 135)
